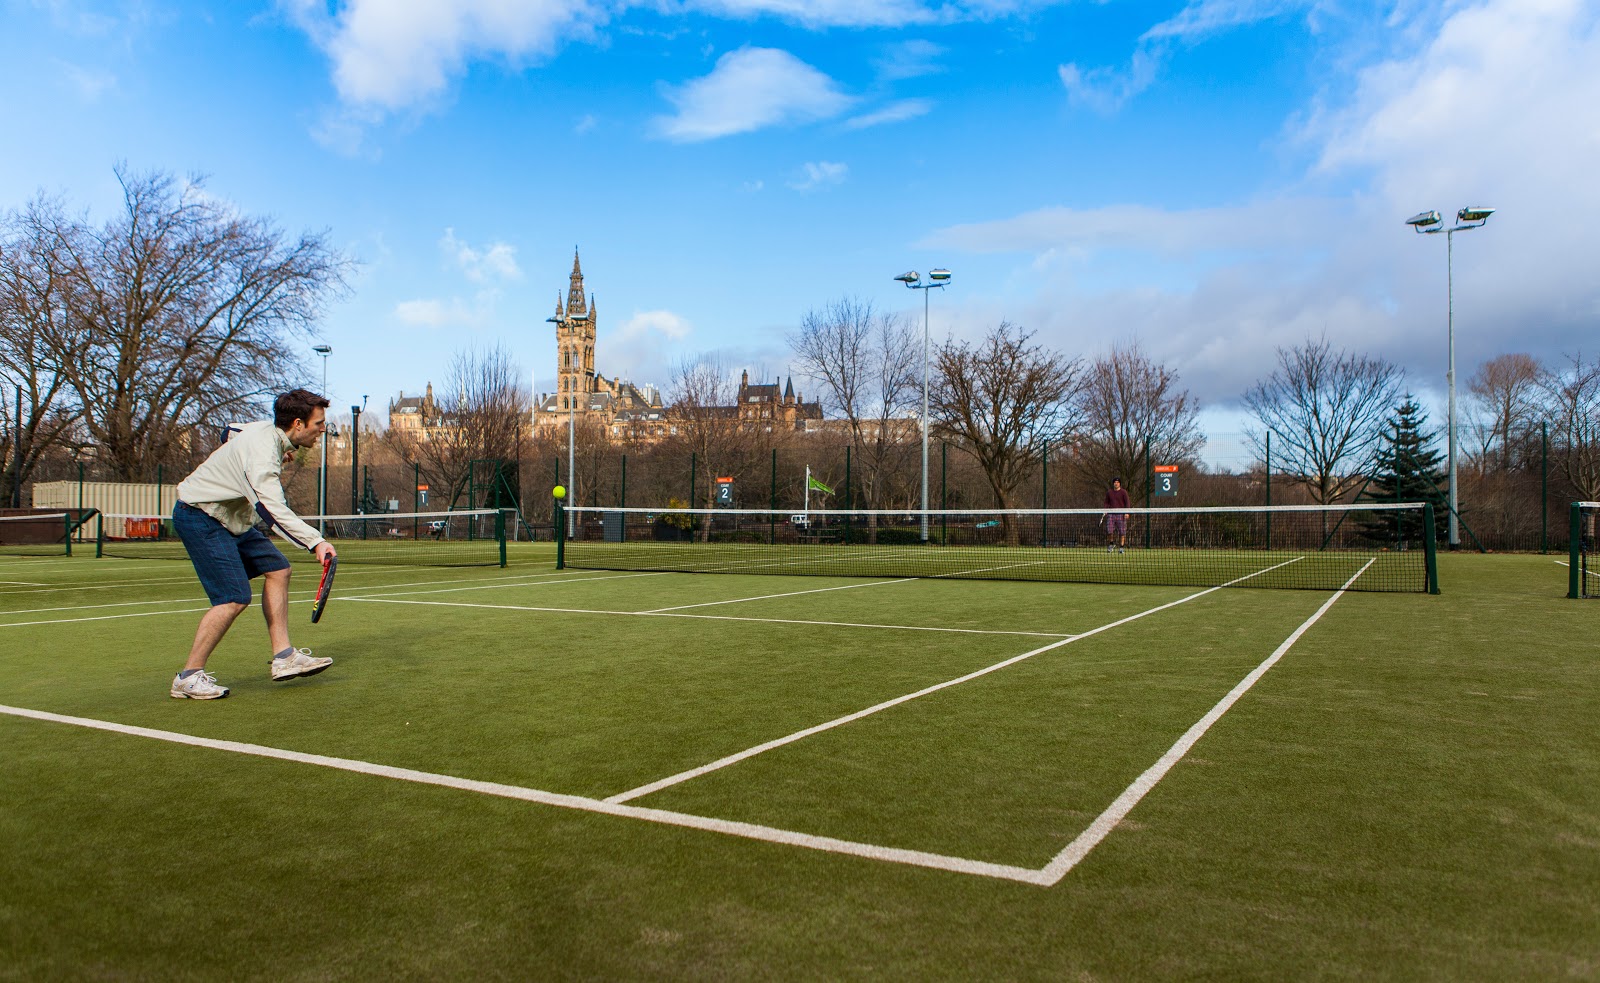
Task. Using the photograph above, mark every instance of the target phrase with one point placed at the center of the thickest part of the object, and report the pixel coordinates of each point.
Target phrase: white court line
(19, 583)
(149, 614)
(732, 759)
(768, 597)
(386, 599)
(1124, 803)
(1048, 876)
(498, 582)
(750, 831)
(1592, 573)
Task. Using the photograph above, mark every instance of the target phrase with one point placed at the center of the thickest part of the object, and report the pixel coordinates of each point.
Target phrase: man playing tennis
(217, 509)
(1116, 522)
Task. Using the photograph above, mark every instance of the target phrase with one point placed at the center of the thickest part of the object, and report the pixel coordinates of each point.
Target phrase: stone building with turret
(623, 408)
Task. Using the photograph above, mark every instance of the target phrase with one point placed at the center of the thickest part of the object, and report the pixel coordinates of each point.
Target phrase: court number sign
(1166, 480)
(725, 492)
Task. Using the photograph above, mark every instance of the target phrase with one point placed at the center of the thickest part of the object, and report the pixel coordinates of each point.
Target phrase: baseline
(768, 597)
(749, 831)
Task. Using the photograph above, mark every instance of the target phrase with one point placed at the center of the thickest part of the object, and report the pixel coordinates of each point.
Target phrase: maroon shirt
(1117, 498)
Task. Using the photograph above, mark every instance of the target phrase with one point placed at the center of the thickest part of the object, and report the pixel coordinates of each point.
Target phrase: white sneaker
(298, 663)
(199, 686)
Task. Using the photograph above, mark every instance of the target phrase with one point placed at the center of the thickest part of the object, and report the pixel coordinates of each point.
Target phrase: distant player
(215, 517)
(1116, 521)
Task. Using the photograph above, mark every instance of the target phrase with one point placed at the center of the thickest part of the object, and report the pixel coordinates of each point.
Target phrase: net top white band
(935, 513)
(366, 517)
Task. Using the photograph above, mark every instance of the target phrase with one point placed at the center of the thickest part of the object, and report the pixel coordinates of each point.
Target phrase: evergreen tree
(1408, 470)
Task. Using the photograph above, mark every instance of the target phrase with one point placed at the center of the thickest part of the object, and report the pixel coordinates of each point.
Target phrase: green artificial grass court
(1412, 792)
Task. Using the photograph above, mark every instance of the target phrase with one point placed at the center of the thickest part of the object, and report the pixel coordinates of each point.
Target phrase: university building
(632, 412)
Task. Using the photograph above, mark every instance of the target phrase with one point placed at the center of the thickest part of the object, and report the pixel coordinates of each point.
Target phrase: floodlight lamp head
(322, 349)
(1422, 221)
(909, 278)
(939, 275)
(1477, 214)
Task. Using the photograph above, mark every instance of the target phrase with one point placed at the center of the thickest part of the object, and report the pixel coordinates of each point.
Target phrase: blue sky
(1212, 178)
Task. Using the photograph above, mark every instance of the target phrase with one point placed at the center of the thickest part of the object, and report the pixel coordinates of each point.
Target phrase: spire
(788, 389)
(560, 314)
(575, 305)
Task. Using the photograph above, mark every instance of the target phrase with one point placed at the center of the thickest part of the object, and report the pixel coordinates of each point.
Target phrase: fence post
(944, 502)
(847, 499)
(623, 503)
(1149, 487)
(1430, 547)
(772, 517)
(416, 496)
(693, 466)
(1575, 554)
(1544, 486)
(1044, 496)
(1269, 491)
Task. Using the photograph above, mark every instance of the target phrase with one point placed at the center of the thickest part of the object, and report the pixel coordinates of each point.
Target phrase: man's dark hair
(296, 404)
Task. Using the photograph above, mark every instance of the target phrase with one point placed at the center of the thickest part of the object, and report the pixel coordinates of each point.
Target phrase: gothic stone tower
(575, 331)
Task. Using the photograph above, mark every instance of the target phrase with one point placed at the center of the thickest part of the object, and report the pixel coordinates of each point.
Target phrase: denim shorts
(225, 562)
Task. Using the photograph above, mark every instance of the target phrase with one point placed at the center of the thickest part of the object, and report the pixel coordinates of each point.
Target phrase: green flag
(819, 486)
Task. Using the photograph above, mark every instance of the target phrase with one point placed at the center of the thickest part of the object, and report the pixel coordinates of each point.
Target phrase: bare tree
(1505, 395)
(1127, 399)
(866, 367)
(35, 301)
(481, 416)
(1002, 401)
(703, 404)
(1572, 395)
(183, 313)
(1327, 409)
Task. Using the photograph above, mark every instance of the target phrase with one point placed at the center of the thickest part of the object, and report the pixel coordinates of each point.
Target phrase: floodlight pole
(1429, 223)
(913, 280)
(322, 476)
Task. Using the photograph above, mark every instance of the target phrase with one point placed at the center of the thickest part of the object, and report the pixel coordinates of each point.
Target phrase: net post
(66, 531)
(1430, 547)
(500, 533)
(99, 535)
(561, 535)
(1575, 554)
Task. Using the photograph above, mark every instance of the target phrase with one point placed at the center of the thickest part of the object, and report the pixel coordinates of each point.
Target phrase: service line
(748, 753)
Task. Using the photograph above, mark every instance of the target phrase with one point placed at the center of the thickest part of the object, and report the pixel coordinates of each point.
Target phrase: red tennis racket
(324, 588)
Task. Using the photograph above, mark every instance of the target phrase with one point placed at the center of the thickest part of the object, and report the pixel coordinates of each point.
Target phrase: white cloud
(822, 173)
(664, 323)
(429, 313)
(644, 344)
(389, 55)
(496, 262)
(895, 112)
(909, 59)
(750, 89)
(868, 13)
(1106, 90)
(1492, 104)
(585, 123)
(90, 84)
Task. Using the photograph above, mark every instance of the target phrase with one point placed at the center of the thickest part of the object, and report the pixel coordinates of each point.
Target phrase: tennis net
(431, 539)
(37, 534)
(1385, 547)
(1583, 572)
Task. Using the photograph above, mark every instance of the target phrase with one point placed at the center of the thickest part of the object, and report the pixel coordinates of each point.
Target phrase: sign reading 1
(725, 492)
(1166, 479)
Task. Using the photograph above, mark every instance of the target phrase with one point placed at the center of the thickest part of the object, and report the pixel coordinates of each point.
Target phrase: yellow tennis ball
(559, 491)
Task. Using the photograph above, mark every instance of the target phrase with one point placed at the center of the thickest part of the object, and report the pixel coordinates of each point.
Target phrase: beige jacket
(239, 483)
